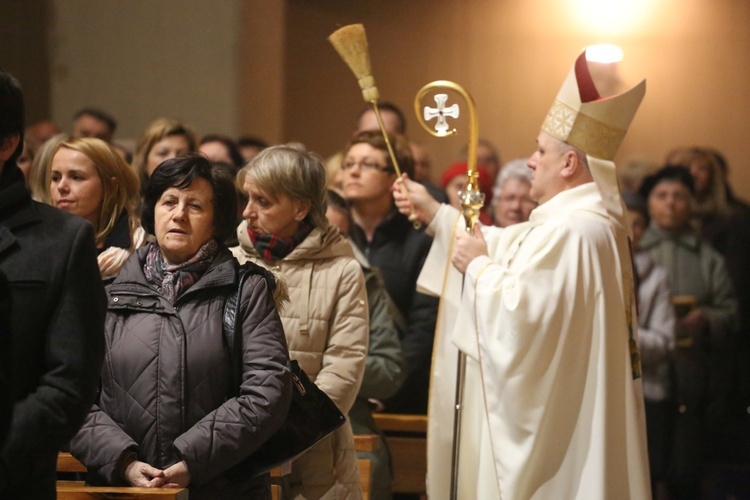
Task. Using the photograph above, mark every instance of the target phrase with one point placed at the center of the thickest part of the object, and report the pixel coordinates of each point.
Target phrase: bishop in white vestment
(553, 406)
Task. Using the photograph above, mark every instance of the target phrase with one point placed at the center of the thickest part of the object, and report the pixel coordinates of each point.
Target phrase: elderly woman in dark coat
(170, 413)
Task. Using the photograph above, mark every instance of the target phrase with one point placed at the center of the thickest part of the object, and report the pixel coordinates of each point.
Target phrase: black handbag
(312, 415)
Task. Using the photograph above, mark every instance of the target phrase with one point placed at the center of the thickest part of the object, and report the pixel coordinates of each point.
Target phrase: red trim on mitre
(586, 88)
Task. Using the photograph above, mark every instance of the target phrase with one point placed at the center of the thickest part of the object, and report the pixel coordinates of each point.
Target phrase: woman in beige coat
(326, 321)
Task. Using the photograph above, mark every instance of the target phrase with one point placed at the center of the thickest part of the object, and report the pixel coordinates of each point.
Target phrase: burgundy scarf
(172, 280)
(274, 247)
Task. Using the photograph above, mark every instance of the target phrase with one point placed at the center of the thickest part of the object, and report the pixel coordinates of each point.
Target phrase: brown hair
(155, 132)
(400, 145)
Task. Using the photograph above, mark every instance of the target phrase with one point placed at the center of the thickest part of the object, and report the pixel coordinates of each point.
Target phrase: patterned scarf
(172, 280)
(274, 247)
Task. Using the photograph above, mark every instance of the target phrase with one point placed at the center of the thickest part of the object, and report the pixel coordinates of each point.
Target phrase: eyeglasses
(365, 165)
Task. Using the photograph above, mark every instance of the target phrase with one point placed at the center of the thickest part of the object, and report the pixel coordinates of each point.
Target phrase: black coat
(6, 402)
(399, 252)
(57, 320)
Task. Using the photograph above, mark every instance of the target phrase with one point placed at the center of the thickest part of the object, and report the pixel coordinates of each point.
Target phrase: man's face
(669, 205)
(369, 122)
(546, 163)
(487, 158)
(8, 146)
(216, 151)
(88, 126)
(422, 164)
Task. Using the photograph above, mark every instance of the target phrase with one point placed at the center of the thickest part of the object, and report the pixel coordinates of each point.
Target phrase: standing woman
(326, 322)
(86, 177)
(163, 139)
(170, 412)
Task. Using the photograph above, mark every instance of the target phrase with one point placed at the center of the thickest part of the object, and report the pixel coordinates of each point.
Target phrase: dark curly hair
(677, 173)
(180, 172)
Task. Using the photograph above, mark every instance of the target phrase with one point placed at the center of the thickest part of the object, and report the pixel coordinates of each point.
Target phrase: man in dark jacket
(6, 404)
(56, 320)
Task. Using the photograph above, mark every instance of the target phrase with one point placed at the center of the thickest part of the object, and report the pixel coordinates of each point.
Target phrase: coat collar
(655, 235)
(16, 207)
(394, 225)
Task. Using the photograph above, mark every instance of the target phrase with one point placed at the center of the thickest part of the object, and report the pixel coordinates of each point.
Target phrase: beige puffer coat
(326, 325)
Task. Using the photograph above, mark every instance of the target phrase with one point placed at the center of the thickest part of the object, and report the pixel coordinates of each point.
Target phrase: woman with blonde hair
(37, 181)
(87, 178)
(164, 138)
(326, 321)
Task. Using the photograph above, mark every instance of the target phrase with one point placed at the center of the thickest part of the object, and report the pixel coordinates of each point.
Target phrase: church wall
(141, 59)
(513, 55)
(265, 67)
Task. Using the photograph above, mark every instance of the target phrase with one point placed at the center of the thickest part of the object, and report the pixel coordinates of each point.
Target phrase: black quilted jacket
(166, 381)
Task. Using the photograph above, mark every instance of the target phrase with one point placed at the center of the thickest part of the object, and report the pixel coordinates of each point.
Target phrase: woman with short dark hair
(170, 411)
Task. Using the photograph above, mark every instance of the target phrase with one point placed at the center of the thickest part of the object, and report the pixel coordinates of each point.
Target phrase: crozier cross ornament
(441, 112)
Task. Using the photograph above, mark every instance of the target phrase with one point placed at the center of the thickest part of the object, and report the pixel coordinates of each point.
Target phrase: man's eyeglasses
(365, 165)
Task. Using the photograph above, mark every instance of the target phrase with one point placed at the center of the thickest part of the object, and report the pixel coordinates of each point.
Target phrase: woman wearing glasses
(392, 244)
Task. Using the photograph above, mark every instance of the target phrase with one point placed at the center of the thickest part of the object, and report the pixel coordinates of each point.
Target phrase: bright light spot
(612, 16)
(603, 53)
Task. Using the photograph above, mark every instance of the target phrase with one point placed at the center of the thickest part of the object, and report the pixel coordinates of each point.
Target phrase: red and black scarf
(275, 247)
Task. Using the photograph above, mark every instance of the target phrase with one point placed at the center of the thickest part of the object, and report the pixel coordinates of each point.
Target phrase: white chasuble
(440, 278)
(544, 320)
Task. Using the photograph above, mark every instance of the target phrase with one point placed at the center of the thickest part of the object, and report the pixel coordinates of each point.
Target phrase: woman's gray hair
(292, 171)
(514, 169)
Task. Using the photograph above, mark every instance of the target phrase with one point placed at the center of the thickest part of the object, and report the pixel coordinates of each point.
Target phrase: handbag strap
(231, 321)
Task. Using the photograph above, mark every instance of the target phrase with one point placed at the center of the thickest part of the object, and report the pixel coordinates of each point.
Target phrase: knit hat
(460, 168)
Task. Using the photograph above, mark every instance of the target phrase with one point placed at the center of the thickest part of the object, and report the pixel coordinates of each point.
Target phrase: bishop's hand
(468, 247)
(411, 195)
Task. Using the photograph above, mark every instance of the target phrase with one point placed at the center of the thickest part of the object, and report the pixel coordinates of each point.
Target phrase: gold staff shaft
(471, 202)
(387, 140)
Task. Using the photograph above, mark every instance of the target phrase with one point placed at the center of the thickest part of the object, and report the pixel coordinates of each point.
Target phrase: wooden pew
(407, 440)
(68, 463)
(365, 477)
(77, 490)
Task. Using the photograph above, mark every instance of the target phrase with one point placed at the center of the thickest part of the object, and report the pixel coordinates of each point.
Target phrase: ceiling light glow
(604, 53)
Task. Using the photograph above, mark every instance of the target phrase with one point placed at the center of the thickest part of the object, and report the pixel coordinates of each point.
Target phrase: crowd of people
(139, 384)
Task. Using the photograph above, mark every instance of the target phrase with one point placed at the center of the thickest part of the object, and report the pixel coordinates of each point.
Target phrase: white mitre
(580, 117)
(596, 126)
